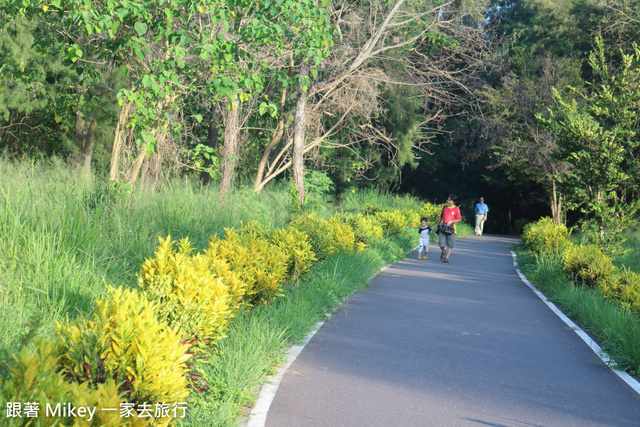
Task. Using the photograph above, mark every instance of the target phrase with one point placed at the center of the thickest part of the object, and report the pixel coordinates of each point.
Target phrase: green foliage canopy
(172, 49)
(599, 140)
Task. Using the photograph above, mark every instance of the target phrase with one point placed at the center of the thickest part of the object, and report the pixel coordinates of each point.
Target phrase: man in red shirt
(449, 216)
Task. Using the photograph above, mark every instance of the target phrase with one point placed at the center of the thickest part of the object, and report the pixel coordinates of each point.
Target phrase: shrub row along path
(459, 344)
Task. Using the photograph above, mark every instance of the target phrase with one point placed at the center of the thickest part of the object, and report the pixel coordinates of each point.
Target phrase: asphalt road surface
(460, 344)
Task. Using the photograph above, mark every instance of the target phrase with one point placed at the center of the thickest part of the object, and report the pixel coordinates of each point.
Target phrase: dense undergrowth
(115, 299)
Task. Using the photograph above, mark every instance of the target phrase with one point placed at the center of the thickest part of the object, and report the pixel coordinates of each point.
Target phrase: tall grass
(52, 257)
(370, 197)
(62, 236)
(631, 258)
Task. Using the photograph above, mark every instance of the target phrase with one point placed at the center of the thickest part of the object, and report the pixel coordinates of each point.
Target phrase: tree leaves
(598, 138)
(141, 28)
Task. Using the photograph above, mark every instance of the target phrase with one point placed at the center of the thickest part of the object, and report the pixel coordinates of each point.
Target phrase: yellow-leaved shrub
(341, 233)
(545, 236)
(412, 218)
(393, 222)
(35, 376)
(295, 244)
(585, 265)
(366, 229)
(258, 262)
(254, 229)
(320, 238)
(327, 236)
(146, 357)
(431, 212)
(588, 266)
(628, 291)
(188, 295)
(221, 269)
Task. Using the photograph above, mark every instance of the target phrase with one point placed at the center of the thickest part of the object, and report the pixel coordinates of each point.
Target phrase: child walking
(423, 244)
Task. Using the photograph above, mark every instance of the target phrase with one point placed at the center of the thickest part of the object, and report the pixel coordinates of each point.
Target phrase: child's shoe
(425, 256)
(419, 257)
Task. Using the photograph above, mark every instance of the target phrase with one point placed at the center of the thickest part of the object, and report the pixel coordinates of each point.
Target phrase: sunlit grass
(53, 257)
(631, 259)
(370, 197)
(62, 236)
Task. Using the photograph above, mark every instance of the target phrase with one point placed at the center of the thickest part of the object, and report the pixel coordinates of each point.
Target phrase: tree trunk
(89, 143)
(118, 140)
(230, 150)
(278, 165)
(151, 158)
(132, 176)
(79, 134)
(274, 141)
(212, 140)
(157, 171)
(85, 139)
(144, 170)
(152, 168)
(369, 49)
(556, 204)
(297, 157)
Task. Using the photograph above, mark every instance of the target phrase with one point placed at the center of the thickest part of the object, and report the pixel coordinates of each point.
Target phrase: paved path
(459, 344)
